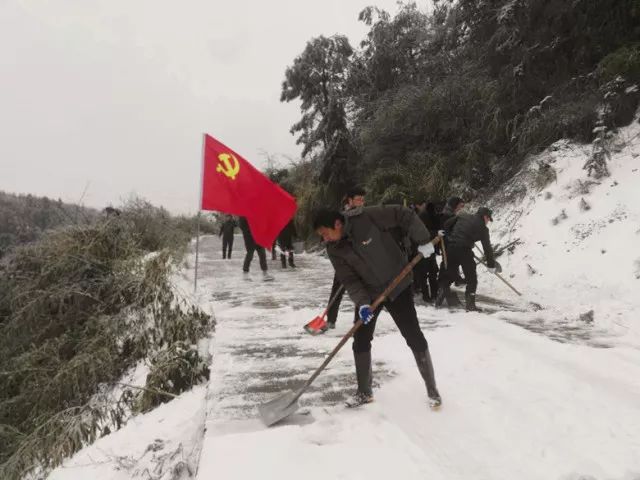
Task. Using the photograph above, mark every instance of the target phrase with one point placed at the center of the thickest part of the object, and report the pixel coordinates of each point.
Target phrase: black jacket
(464, 230)
(285, 238)
(367, 258)
(446, 215)
(227, 228)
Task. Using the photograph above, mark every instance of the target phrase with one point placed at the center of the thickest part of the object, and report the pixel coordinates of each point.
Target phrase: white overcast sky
(112, 96)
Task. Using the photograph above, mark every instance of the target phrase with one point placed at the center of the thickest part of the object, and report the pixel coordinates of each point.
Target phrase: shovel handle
(444, 253)
(332, 301)
(498, 275)
(383, 296)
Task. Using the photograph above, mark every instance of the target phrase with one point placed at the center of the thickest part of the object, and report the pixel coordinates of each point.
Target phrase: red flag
(232, 185)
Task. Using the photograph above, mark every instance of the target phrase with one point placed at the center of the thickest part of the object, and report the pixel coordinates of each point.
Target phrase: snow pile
(161, 445)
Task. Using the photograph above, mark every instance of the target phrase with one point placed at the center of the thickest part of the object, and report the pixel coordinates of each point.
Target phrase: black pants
(249, 256)
(426, 276)
(283, 259)
(460, 257)
(227, 246)
(420, 277)
(273, 250)
(332, 314)
(432, 275)
(286, 245)
(403, 312)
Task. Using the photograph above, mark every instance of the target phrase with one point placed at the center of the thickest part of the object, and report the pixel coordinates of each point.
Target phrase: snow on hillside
(580, 237)
(528, 394)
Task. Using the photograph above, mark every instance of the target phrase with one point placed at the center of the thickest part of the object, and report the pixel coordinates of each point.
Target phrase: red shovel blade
(316, 326)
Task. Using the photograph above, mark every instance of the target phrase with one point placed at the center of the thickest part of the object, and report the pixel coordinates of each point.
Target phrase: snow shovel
(284, 405)
(534, 305)
(496, 273)
(319, 325)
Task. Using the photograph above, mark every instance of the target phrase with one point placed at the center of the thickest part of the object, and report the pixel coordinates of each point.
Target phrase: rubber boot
(364, 377)
(470, 299)
(291, 264)
(283, 260)
(425, 366)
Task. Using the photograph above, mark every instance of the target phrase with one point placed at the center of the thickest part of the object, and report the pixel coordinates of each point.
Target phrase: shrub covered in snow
(77, 309)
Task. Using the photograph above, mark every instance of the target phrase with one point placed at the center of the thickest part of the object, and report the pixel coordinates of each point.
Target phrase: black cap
(355, 192)
(482, 211)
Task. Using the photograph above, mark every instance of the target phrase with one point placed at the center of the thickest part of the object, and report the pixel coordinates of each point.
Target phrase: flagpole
(195, 276)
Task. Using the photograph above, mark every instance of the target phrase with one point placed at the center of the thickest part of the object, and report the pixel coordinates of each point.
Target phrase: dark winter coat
(464, 230)
(285, 238)
(367, 257)
(446, 215)
(226, 230)
(431, 220)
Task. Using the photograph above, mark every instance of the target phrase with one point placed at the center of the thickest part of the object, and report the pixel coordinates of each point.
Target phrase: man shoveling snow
(366, 257)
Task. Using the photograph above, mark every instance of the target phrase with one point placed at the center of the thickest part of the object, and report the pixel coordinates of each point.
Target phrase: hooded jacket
(367, 257)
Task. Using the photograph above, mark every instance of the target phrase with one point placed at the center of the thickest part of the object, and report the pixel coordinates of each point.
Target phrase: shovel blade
(316, 326)
(279, 408)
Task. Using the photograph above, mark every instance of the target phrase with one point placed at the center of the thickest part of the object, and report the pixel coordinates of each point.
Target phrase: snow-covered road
(529, 403)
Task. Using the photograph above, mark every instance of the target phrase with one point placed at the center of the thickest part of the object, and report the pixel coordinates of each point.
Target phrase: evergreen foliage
(452, 101)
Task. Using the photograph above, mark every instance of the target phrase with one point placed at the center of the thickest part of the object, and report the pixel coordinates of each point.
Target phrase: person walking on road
(251, 246)
(226, 232)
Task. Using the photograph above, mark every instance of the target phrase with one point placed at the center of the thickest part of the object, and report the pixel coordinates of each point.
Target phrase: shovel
(318, 324)
(534, 305)
(287, 403)
(479, 260)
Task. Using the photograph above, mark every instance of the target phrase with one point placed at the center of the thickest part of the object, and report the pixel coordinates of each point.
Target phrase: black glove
(497, 268)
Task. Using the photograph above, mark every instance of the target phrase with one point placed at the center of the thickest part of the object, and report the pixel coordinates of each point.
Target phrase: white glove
(426, 250)
(441, 233)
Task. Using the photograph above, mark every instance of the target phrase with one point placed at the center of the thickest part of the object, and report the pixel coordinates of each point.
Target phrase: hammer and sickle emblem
(229, 165)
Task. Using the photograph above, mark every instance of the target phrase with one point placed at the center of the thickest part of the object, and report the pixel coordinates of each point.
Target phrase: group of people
(370, 246)
(283, 244)
(460, 231)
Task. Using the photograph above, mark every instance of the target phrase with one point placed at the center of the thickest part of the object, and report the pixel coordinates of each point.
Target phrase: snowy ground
(528, 394)
(579, 247)
(518, 404)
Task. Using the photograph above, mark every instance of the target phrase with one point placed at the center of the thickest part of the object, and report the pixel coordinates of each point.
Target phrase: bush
(173, 371)
(77, 309)
(624, 62)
